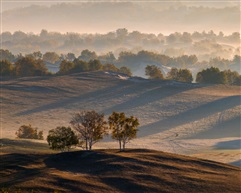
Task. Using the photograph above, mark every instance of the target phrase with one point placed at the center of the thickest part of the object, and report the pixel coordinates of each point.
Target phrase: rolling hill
(191, 119)
(135, 170)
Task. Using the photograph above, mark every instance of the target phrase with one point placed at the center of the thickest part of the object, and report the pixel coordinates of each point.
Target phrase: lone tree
(28, 132)
(62, 138)
(123, 128)
(91, 127)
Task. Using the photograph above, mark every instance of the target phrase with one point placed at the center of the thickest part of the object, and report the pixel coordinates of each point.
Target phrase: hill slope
(175, 117)
(112, 171)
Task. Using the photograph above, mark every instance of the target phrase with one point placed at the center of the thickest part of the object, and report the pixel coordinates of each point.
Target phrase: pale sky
(146, 16)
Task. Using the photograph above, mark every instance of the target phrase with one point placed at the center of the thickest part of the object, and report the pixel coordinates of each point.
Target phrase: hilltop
(191, 119)
(135, 170)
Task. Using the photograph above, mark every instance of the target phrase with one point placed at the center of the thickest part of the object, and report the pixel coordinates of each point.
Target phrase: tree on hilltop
(90, 126)
(27, 66)
(6, 68)
(62, 138)
(182, 75)
(124, 129)
(154, 72)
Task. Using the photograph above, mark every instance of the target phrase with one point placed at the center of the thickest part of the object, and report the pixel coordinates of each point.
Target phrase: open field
(190, 119)
(35, 169)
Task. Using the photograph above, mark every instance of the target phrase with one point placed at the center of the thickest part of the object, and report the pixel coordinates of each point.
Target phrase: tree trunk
(124, 145)
(86, 144)
(120, 144)
(90, 145)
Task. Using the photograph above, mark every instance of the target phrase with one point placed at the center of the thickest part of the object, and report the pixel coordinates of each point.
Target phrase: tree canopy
(62, 138)
(124, 129)
(28, 132)
(154, 72)
(182, 75)
(90, 126)
(27, 66)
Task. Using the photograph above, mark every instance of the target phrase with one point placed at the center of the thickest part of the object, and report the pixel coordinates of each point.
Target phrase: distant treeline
(30, 66)
(204, 45)
(133, 61)
(207, 76)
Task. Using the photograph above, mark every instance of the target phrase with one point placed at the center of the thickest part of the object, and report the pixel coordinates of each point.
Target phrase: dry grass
(175, 117)
(113, 171)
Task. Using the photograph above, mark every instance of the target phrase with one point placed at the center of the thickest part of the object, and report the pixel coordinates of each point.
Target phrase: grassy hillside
(175, 117)
(136, 170)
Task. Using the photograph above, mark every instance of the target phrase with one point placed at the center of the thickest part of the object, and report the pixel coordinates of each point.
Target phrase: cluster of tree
(25, 66)
(67, 67)
(29, 66)
(28, 132)
(90, 127)
(122, 40)
(181, 75)
(210, 75)
(215, 76)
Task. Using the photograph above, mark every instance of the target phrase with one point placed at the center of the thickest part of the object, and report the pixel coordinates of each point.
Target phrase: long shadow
(35, 89)
(153, 91)
(236, 163)
(229, 128)
(88, 97)
(232, 144)
(25, 79)
(17, 162)
(191, 115)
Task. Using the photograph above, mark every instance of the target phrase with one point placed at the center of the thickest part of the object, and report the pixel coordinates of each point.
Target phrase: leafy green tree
(80, 66)
(66, 67)
(95, 65)
(28, 132)
(87, 55)
(107, 58)
(70, 57)
(213, 76)
(173, 74)
(51, 57)
(6, 68)
(91, 127)
(62, 138)
(123, 128)
(222, 78)
(125, 70)
(27, 66)
(110, 67)
(154, 72)
(35, 55)
(209, 75)
(185, 75)
(232, 77)
(6, 55)
(238, 81)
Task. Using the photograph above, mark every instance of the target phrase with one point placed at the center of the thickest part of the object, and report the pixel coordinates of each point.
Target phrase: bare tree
(91, 127)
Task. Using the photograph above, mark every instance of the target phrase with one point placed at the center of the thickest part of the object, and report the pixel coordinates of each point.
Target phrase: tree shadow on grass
(232, 144)
(191, 115)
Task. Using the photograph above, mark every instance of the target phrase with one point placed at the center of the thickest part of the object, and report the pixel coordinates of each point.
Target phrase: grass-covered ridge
(135, 170)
